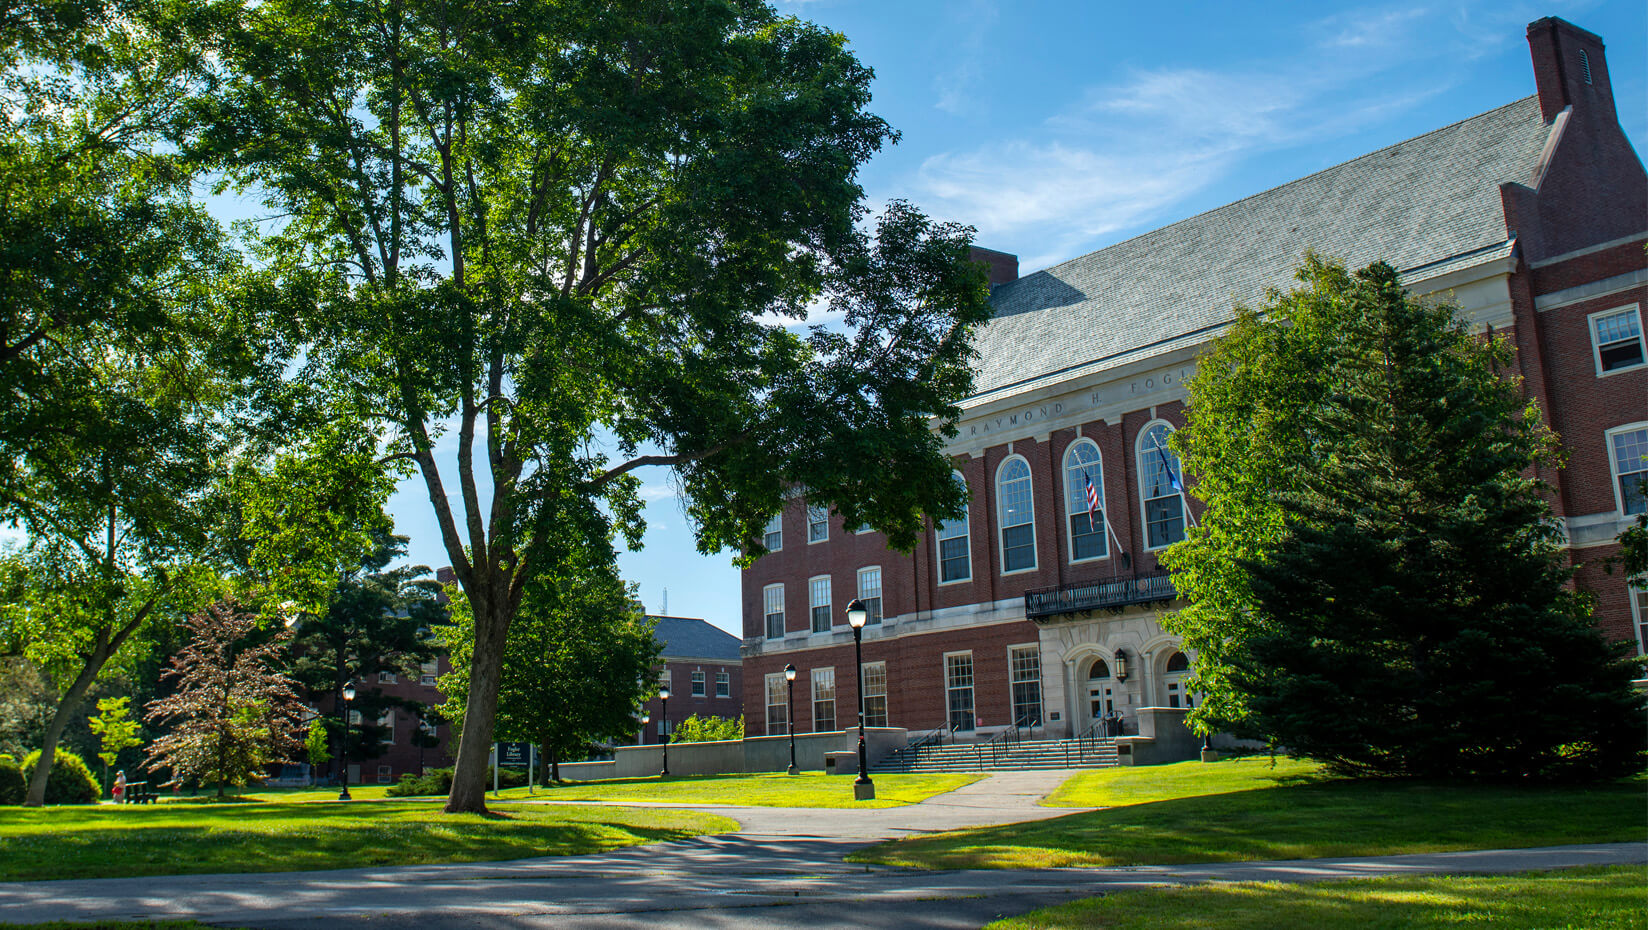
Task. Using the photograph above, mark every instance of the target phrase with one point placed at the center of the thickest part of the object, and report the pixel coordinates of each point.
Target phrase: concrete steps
(982, 757)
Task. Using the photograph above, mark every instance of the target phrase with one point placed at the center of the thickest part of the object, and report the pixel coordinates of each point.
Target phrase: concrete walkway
(782, 869)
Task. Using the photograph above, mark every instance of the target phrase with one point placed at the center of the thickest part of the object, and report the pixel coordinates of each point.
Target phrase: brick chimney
(1570, 70)
(1003, 267)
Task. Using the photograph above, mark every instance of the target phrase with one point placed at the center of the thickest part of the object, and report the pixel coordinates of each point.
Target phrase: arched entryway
(1174, 674)
(1101, 689)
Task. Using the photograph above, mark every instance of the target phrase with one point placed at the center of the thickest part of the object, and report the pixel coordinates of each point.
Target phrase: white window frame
(813, 678)
(767, 601)
(1001, 514)
(1013, 681)
(945, 532)
(428, 671)
(880, 612)
(972, 686)
(1639, 616)
(1144, 502)
(386, 774)
(1074, 492)
(813, 513)
(1596, 344)
(698, 684)
(1613, 464)
(387, 678)
(723, 684)
(870, 669)
(814, 584)
(772, 536)
(387, 721)
(783, 702)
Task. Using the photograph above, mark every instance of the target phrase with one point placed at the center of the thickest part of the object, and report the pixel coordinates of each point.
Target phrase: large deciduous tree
(113, 365)
(578, 665)
(558, 241)
(1377, 582)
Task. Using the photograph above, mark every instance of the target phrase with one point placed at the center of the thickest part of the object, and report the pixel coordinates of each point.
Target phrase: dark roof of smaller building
(695, 638)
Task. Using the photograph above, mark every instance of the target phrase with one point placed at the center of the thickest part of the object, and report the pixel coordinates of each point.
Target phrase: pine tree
(1378, 582)
(234, 711)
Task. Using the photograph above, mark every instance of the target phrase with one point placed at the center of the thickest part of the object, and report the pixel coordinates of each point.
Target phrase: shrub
(70, 781)
(696, 729)
(12, 785)
(439, 781)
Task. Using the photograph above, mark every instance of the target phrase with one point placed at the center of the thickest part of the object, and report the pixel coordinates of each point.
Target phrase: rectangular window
(698, 684)
(1026, 668)
(428, 671)
(387, 721)
(955, 561)
(386, 678)
(1016, 516)
(869, 591)
(773, 597)
(1629, 450)
(818, 594)
(664, 679)
(773, 535)
(1639, 608)
(958, 690)
(875, 694)
(385, 775)
(818, 524)
(1616, 335)
(823, 700)
(723, 685)
(778, 705)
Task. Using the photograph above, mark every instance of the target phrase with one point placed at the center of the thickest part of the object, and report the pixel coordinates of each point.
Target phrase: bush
(439, 781)
(12, 784)
(70, 781)
(696, 729)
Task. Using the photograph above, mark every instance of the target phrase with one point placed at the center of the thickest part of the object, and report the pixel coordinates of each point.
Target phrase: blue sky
(1057, 128)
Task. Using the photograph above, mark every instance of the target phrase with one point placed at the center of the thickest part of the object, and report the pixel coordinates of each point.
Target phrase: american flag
(1092, 498)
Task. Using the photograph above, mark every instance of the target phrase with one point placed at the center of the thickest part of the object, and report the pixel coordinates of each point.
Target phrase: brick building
(1531, 217)
(701, 666)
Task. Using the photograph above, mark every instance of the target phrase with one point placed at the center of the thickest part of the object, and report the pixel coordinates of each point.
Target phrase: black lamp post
(789, 686)
(857, 616)
(343, 751)
(663, 726)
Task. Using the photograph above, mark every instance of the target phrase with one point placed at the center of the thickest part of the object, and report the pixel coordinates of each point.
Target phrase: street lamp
(343, 750)
(663, 727)
(857, 616)
(645, 719)
(789, 686)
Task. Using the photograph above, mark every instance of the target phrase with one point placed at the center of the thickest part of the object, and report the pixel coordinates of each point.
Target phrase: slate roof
(1429, 201)
(694, 638)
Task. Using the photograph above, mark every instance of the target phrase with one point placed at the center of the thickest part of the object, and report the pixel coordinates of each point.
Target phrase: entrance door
(1178, 669)
(1101, 698)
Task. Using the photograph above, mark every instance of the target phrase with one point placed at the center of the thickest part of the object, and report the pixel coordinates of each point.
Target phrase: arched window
(1016, 515)
(1178, 663)
(955, 561)
(1098, 670)
(1084, 501)
(1161, 488)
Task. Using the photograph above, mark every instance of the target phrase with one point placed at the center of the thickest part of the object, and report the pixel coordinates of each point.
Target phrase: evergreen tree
(1377, 582)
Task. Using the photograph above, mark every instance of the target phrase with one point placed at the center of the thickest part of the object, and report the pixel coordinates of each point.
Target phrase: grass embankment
(1241, 809)
(186, 839)
(1613, 898)
(776, 790)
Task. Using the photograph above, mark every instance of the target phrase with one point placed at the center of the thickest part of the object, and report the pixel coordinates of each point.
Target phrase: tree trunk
(59, 722)
(474, 745)
(555, 765)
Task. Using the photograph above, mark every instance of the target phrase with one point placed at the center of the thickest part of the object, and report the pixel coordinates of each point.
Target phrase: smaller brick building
(703, 671)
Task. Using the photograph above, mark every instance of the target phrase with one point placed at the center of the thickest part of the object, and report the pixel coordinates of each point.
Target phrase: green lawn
(1614, 898)
(1242, 810)
(181, 839)
(777, 790)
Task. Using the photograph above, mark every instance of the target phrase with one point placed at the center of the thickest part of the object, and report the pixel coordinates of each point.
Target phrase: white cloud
(656, 492)
(956, 85)
(1127, 152)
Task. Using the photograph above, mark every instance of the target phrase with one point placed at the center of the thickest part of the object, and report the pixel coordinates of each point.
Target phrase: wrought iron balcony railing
(1099, 595)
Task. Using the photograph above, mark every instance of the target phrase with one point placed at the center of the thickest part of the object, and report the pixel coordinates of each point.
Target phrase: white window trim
(766, 709)
(808, 515)
(765, 532)
(1637, 619)
(764, 611)
(723, 676)
(830, 590)
(944, 678)
(882, 583)
(695, 679)
(812, 697)
(1144, 516)
(1001, 531)
(1596, 346)
(1041, 678)
(1070, 538)
(938, 549)
(1613, 464)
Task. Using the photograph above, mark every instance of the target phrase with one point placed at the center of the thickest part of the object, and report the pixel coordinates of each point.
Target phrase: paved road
(782, 869)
